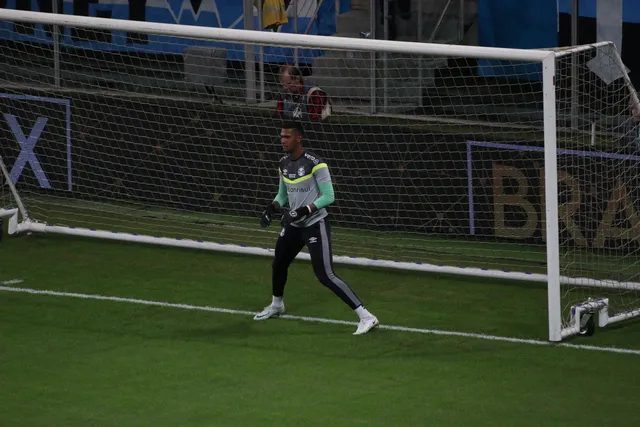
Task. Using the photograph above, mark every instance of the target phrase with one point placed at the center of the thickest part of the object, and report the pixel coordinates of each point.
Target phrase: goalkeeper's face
(291, 140)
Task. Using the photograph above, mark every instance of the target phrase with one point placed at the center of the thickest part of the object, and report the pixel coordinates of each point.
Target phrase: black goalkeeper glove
(295, 214)
(267, 215)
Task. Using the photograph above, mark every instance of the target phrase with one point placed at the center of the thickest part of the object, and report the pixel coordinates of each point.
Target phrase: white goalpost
(502, 163)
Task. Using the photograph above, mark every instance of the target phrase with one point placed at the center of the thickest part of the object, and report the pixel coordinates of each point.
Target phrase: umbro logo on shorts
(313, 240)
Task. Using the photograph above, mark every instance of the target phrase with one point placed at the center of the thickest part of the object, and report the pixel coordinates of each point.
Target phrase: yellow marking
(306, 177)
(319, 166)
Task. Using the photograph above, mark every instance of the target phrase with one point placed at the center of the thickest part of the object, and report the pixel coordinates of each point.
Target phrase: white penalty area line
(311, 319)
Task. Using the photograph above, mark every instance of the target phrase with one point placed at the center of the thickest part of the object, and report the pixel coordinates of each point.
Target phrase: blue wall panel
(209, 13)
(587, 8)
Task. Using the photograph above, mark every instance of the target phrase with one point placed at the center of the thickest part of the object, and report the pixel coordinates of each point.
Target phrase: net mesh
(166, 144)
(599, 154)
(164, 136)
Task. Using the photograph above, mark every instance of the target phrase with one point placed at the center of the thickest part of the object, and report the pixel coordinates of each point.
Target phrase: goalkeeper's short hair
(293, 124)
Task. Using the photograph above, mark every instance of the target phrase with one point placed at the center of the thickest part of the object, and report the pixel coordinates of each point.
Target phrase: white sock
(277, 301)
(362, 312)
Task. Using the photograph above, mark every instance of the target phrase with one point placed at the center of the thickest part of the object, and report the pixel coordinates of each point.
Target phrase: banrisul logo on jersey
(36, 141)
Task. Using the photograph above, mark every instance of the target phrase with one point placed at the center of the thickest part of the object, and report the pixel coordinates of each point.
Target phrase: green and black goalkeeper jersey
(304, 181)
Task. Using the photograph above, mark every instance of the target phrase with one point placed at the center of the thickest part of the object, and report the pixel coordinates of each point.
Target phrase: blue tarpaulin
(209, 13)
(327, 18)
(345, 6)
(522, 24)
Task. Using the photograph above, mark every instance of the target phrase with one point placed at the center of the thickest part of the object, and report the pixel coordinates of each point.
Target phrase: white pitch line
(11, 282)
(319, 320)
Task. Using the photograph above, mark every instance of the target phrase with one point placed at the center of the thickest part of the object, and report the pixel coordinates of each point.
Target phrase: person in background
(300, 100)
(274, 14)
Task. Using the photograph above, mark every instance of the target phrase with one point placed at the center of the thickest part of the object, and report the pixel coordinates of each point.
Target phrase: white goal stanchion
(599, 157)
(503, 163)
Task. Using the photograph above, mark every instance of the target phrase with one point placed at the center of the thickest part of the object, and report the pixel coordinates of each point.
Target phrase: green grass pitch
(78, 362)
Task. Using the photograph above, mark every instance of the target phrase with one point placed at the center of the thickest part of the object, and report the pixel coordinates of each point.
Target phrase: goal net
(599, 186)
(168, 134)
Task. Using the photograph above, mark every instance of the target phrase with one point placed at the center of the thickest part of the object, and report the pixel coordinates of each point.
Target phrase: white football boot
(270, 311)
(366, 324)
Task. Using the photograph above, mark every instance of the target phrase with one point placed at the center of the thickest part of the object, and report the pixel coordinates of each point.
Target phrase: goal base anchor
(583, 317)
(12, 226)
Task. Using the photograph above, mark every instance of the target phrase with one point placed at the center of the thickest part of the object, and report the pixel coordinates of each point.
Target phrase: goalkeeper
(305, 186)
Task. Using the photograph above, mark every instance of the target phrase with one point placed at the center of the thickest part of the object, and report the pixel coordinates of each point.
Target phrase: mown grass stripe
(439, 332)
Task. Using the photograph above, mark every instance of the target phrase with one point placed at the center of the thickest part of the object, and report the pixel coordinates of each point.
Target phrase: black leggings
(317, 237)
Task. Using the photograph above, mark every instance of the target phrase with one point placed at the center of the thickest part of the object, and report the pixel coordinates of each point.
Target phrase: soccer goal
(503, 163)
